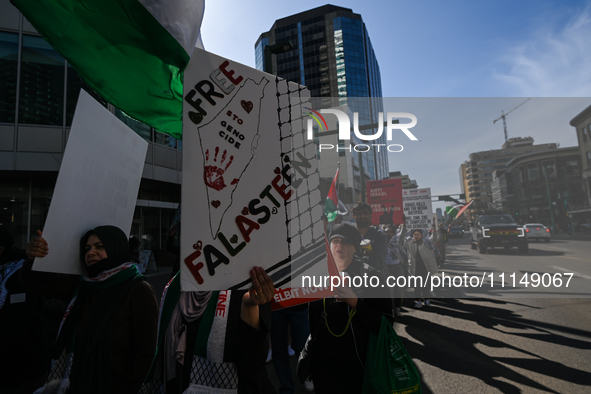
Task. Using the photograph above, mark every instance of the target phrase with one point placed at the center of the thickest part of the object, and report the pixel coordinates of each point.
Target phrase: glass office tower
(332, 55)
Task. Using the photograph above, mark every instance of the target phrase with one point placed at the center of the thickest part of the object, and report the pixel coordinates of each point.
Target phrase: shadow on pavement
(456, 351)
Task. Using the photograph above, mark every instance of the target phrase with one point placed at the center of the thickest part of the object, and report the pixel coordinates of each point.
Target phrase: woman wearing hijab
(213, 341)
(421, 256)
(107, 338)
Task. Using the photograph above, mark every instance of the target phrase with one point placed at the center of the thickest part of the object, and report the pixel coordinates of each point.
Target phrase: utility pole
(549, 200)
(503, 115)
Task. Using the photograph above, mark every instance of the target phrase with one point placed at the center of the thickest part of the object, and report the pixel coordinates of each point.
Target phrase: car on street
(536, 231)
(455, 232)
(497, 231)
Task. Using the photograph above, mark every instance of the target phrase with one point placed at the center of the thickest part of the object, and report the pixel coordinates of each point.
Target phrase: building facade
(407, 183)
(582, 124)
(38, 96)
(477, 173)
(332, 55)
(543, 187)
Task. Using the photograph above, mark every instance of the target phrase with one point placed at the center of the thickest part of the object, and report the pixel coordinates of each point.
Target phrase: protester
(213, 342)
(107, 339)
(286, 321)
(341, 326)
(443, 233)
(25, 361)
(376, 253)
(394, 263)
(421, 255)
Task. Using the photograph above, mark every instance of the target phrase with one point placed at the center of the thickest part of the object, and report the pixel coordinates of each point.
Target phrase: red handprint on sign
(214, 175)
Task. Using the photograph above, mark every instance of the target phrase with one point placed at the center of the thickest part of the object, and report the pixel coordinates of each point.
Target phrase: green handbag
(388, 367)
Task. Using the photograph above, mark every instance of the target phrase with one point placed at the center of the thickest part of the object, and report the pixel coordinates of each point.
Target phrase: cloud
(552, 62)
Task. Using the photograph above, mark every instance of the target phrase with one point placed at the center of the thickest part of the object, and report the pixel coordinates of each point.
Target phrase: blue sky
(435, 48)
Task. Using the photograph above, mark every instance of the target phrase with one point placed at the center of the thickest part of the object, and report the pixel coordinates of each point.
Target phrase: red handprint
(214, 175)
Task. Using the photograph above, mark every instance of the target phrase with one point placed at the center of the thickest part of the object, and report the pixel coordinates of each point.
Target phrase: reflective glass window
(141, 129)
(8, 70)
(74, 84)
(164, 139)
(41, 96)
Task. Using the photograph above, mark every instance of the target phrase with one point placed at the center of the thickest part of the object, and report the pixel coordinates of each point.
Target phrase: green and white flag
(132, 52)
(457, 210)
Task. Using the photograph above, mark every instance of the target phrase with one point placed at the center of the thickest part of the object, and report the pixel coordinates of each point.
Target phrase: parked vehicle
(455, 232)
(536, 231)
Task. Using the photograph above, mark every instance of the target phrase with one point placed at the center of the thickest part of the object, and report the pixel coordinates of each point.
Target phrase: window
(533, 173)
(519, 177)
(164, 139)
(41, 95)
(572, 168)
(585, 133)
(8, 65)
(550, 168)
(141, 129)
(588, 158)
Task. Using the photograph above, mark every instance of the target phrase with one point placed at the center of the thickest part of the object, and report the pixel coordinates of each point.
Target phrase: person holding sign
(341, 325)
(421, 256)
(107, 339)
(213, 341)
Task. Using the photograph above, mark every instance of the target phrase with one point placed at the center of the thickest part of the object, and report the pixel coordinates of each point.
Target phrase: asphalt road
(506, 345)
(503, 340)
(561, 268)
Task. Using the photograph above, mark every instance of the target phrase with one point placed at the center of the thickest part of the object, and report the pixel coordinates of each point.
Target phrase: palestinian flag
(457, 210)
(131, 52)
(333, 205)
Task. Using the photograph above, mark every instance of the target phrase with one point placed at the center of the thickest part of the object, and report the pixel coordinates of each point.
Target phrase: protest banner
(250, 182)
(418, 208)
(97, 184)
(385, 198)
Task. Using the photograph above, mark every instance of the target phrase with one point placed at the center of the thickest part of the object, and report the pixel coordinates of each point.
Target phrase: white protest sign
(418, 208)
(97, 184)
(250, 191)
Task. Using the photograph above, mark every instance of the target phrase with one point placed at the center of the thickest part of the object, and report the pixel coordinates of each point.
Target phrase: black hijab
(116, 245)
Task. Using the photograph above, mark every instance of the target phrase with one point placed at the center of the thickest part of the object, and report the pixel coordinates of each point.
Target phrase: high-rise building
(328, 50)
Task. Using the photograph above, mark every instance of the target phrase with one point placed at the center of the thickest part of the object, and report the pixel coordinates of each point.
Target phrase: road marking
(574, 258)
(571, 271)
(554, 247)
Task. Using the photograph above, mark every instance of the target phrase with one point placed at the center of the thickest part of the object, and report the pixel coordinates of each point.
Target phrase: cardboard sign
(385, 198)
(97, 184)
(250, 182)
(418, 208)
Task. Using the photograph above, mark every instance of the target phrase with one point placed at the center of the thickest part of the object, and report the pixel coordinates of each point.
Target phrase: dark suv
(497, 231)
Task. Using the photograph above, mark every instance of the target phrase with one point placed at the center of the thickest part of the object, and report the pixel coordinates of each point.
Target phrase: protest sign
(97, 184)
(250, 182)
(418, 208)
(385, 198)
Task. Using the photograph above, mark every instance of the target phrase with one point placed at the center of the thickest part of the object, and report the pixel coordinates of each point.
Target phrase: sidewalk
(580, 236)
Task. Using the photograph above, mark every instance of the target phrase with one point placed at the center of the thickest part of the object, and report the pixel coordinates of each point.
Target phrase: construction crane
(503, 115)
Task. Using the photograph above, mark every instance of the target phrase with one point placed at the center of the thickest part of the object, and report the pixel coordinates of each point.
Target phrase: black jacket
(338, 362)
